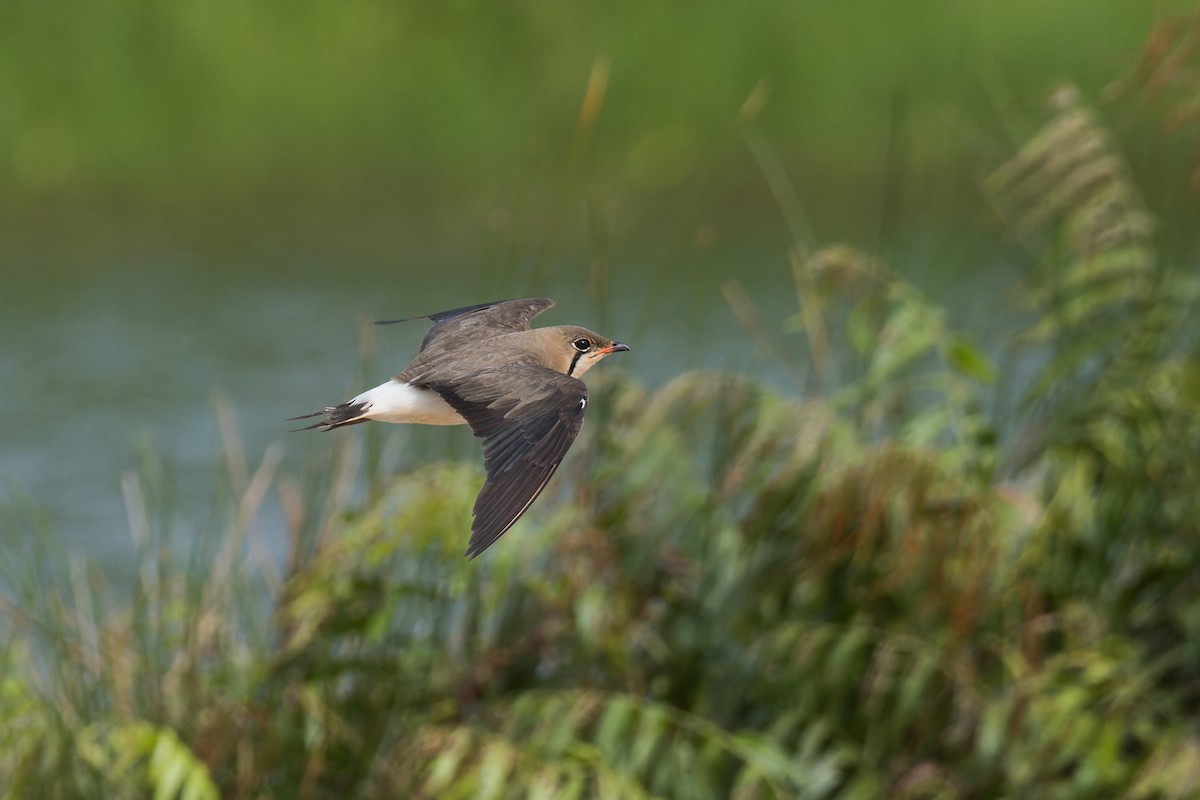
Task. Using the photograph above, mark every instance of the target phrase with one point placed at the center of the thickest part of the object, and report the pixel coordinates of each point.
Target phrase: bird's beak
(615, 347)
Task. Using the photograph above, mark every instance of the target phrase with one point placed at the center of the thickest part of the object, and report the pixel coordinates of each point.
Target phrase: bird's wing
(527, 416)
(457, 325)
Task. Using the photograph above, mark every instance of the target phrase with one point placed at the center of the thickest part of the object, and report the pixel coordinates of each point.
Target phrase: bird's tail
(350, 413)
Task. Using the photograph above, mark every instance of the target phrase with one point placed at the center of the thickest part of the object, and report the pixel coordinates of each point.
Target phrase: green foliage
(732, 594)
(250, 107)
(1168, 75)
(135, 757)
(1119, 423)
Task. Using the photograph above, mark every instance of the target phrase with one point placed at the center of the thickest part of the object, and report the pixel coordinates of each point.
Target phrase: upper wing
(485, 319)
(527, 416)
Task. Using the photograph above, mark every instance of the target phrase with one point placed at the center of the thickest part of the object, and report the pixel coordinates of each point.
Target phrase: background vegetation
(222, 119)
(918, 574)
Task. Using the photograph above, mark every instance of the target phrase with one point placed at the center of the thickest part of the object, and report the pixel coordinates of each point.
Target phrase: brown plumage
(518, 388)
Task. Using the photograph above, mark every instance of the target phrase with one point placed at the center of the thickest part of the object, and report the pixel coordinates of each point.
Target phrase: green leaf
(971, 362)
(445, 767)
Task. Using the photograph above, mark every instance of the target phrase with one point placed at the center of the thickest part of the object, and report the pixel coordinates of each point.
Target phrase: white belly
(395, 401)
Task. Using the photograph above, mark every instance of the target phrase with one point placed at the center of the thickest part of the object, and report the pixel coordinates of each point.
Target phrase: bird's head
(572, 350)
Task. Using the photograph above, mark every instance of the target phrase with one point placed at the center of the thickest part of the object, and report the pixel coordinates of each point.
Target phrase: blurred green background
(216, 121)
(894, 497)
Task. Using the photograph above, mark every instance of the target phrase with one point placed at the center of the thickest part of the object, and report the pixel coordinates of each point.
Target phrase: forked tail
(335, 417)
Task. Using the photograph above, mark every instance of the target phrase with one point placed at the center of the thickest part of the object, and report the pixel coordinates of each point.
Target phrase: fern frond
(138, 758)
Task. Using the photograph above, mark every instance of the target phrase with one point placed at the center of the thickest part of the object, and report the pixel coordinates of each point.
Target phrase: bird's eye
(582, 345)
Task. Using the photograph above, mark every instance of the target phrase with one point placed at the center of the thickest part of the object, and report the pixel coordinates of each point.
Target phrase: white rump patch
(396, 401)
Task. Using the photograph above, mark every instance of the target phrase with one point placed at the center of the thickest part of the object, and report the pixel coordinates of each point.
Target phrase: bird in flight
(518, 388)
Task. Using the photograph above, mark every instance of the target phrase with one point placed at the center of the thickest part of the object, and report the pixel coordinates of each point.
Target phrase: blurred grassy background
(213, 121)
